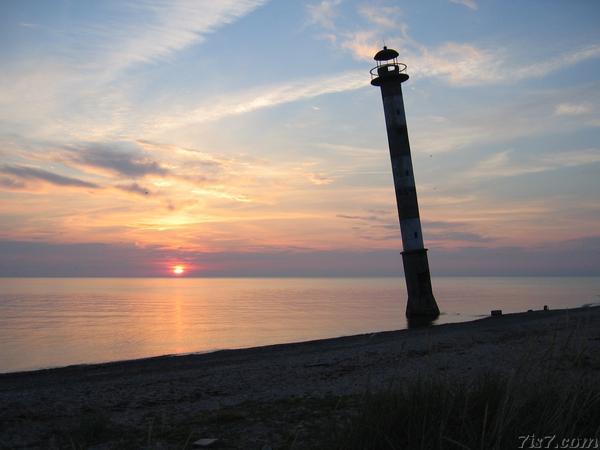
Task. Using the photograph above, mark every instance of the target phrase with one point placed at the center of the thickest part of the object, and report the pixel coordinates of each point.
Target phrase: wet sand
(276, 396)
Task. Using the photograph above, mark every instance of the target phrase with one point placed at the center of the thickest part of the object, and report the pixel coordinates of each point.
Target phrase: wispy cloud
(361, 44)
(80, 80)
(383, 16)
(464, 63)
(122, 158)
(323, 13)
(471, 4)
(502, 164)
(160, 29)
(28, 25)
(479, 66)
(562, 61)
(319, 179)
(458, 63)
(572, 109)
(265, 97)
(133, 188)
(378, 226)
(452, 232)
(11, 183)
(365, 218)
(25, 173)
(530, 114)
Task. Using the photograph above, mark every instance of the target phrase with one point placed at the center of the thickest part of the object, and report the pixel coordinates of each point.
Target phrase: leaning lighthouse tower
(389, 75)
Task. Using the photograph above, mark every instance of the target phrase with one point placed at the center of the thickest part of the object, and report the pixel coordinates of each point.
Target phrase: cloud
(265, 97)
(323, 13)
(563, 61)
(454, 236)
(455, 63)
(319, 179)
(28, 25)
(357, 217)
(148, 31)
(458, 63)
(383, 16)
(526, 115)
(134, 188)
(122, 158)
(471, 4)
(572, 109)
(502, 165)
(223, 194)
(436, 231)
(363, 44)
(191, 158)
(79, 77)
(11, 183)
(34, 174)
(568, 257)
(466, 64)
(26, 258)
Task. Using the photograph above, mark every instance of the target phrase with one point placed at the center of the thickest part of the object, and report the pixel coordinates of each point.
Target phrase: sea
(53, 322)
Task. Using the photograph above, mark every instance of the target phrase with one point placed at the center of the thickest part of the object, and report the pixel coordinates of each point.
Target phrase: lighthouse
(389, 75)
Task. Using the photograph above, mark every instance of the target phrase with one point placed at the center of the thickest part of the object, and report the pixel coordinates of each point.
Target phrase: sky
(242, 137)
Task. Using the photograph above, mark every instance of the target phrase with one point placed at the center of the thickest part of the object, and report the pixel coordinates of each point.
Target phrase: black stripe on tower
(406, 199)
(406, 196)
(398, 139)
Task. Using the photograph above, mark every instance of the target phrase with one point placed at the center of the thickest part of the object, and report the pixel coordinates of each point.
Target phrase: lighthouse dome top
(388, 69)
(386, 54)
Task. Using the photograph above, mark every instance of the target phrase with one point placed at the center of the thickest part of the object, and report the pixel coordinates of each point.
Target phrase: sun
(178, 270)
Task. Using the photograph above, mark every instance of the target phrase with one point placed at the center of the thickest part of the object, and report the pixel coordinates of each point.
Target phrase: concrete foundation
(421, 301)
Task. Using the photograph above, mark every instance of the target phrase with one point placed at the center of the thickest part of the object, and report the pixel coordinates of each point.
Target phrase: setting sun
(178, 270)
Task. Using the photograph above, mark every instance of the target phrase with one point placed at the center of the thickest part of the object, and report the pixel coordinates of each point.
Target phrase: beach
(278, 396)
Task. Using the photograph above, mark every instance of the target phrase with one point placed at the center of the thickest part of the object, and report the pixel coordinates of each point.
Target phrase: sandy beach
(280, 396)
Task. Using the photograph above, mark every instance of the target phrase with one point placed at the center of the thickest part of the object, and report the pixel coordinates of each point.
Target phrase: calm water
(47, 322)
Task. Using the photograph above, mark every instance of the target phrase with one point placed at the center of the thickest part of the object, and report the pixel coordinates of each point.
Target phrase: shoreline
(261, 389)
(322, 341)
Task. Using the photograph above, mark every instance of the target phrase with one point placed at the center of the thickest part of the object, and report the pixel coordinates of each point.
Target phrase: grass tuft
(490, 413)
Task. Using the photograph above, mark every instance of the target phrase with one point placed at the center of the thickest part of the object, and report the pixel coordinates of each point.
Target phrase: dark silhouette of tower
(389, 76)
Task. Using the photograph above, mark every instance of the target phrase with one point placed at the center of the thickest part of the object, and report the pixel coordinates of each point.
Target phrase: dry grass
(552, 393)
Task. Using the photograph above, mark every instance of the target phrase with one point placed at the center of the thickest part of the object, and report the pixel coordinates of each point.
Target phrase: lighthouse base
(421, 302)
